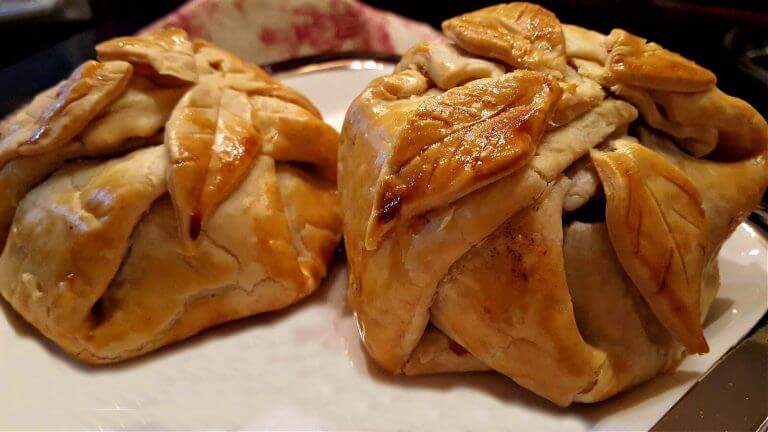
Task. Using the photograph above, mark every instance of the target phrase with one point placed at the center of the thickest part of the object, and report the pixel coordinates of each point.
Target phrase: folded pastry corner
(488, 177)
(164, 189)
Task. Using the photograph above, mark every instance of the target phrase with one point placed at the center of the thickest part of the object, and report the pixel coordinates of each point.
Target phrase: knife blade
(731, 396)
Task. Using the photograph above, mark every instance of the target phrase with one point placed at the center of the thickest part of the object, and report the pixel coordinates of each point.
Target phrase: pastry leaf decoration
(60, 117)
(212, 144)
(632, 61)
(658, 228)
(523, 35)
(462, 140)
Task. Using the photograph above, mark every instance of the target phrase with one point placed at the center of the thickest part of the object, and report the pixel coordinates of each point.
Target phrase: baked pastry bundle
(542, 200)
(165, 188)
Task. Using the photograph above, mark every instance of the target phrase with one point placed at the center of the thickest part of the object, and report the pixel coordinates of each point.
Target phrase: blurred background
(43, 40)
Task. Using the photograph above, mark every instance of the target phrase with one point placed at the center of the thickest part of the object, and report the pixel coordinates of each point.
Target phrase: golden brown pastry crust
(53, 120)
(212, 144)
(506, 300)
(523, 35)
(658, 228)
(447, 65)
(612, 315)
(673, 94)
(633, 61)
(209, 221)
(442, 256)
(166, 55)
(461, 140)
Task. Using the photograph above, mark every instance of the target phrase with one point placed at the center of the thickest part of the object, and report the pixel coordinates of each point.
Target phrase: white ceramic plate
(304, 368)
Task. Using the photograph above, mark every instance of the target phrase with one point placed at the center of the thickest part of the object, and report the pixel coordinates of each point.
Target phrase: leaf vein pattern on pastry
(212, 144)
(675, 241)
(458, 141)
(646, 189)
